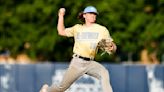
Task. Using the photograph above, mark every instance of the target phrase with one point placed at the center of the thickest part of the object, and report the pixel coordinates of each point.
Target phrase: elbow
(61, 30)
(61, 33)
(114, 48)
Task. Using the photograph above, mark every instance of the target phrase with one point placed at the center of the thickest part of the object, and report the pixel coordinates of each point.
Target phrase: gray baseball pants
(79, 67)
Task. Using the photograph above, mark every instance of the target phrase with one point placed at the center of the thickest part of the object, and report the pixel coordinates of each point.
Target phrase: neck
(88, 24)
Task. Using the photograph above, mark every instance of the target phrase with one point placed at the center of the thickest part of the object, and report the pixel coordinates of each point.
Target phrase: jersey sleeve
(107, 35)
(70, 31)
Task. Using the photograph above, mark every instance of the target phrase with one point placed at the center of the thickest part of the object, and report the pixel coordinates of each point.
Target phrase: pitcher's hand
(61, 12)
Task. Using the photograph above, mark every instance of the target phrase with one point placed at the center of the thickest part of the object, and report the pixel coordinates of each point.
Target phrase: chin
(93, 21)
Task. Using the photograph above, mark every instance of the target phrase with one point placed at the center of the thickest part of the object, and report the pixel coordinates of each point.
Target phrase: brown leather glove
(107, 46)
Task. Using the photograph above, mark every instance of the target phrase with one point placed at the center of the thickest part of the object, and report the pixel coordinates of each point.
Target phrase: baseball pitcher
(88, 38)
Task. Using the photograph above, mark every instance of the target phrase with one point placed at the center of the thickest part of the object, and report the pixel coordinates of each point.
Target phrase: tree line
(133, 24)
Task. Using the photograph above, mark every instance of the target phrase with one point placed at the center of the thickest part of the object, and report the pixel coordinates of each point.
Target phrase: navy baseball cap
(90, 9)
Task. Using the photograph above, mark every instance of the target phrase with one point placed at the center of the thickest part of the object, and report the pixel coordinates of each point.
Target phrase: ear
(84, 15)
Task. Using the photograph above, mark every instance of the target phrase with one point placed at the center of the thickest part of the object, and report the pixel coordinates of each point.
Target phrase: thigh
(95, 69)
(71, 74)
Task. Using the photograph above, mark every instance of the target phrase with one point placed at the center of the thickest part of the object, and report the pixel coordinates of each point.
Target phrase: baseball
(62, 10)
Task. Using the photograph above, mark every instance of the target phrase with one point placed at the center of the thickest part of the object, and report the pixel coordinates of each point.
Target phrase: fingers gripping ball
(62, 10)
(107, 46)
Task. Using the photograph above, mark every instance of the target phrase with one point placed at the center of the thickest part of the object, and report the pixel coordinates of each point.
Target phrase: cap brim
(90, 12)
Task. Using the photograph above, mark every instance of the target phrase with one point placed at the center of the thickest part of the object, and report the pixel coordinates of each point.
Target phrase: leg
(71, 75)
(75, 70)
(99, 71)
(105, 81)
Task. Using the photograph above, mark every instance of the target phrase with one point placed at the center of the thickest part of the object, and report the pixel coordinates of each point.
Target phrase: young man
(86, 37)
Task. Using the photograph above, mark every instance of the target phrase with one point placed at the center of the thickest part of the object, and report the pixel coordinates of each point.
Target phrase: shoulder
(77, 25)
(100, 26)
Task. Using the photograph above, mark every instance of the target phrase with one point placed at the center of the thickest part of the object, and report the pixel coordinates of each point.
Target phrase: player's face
(90, 17)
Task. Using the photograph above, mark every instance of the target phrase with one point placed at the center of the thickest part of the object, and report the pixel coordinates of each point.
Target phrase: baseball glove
(107, 46)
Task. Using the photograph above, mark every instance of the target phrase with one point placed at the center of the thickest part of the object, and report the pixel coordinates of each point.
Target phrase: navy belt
(84, 58)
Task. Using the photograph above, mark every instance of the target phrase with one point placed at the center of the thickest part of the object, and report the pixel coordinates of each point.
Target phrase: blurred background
(28, 32)
(28, 29)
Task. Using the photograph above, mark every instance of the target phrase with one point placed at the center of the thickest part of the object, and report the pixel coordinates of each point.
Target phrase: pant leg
(74, 71)
(99, 71)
